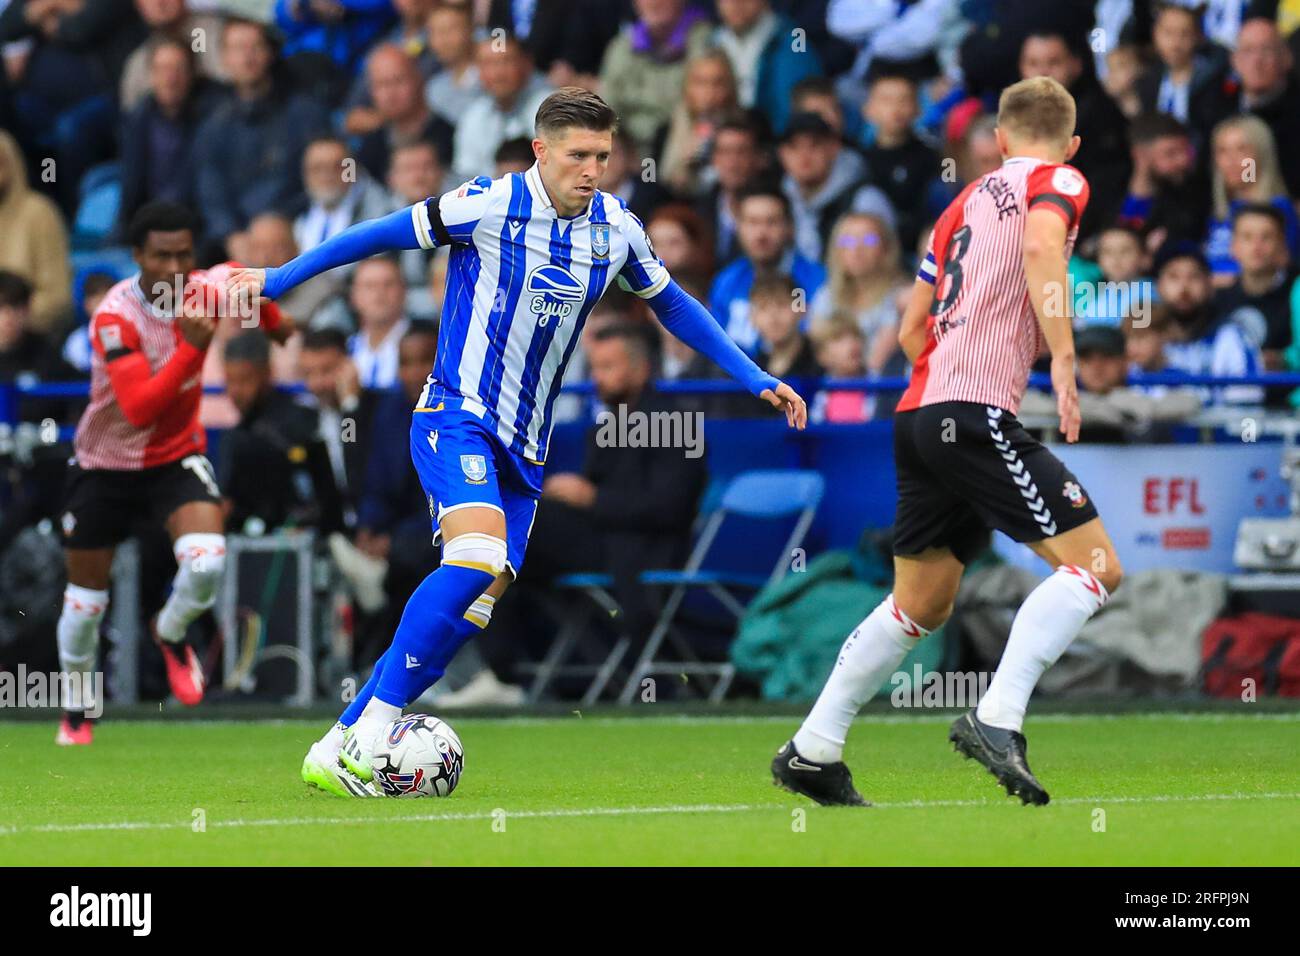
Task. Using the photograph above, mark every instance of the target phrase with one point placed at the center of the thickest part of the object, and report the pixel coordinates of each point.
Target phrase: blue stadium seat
(97, 210)
(111, 260)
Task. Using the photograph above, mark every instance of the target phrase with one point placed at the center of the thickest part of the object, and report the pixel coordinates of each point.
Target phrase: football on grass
(418, 756)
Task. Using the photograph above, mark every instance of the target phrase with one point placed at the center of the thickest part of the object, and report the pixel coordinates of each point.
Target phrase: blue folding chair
(754, 497)
(596, 594)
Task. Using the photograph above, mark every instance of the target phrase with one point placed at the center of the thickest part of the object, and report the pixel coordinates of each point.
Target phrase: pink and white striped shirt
(982, 336)
(145, 378)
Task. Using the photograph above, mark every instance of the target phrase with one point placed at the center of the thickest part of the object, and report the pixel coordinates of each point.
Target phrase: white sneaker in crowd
(363, 573)
(484, 690)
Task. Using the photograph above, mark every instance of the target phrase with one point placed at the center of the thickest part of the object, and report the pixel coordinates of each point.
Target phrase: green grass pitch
(1190, 789)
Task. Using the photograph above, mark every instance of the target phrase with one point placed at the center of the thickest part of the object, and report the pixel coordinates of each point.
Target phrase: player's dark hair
(158, 216)
(1149, 127)
(248, 346)
(766, 190)
(321, 340)
(15, 291)
(1267, 210)
(513, 151)
(572, 106)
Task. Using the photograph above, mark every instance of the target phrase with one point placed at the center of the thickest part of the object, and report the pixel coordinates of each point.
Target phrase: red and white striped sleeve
(141, 394)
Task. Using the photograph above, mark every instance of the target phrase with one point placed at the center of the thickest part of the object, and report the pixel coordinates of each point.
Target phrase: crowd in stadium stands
(788, 157)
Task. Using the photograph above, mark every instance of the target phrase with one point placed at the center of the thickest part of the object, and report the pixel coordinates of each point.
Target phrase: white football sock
(372, 722)
(1045, 625)
(328, 747)
(200, 559)
(869, 656)
(78, 635)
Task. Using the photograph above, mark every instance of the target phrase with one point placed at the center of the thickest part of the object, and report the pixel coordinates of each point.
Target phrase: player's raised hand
(788, 400)
(197, 327)
(243, 287)
(1067, 397)
(245, 283)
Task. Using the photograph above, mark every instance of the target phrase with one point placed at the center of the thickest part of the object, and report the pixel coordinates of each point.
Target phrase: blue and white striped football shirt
(521, 283)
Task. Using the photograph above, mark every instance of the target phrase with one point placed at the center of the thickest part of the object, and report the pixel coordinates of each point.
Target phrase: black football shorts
(965, 468)
(101, 507)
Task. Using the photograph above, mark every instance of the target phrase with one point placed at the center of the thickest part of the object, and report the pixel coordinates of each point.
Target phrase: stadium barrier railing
(1281, 420)
(13, 392)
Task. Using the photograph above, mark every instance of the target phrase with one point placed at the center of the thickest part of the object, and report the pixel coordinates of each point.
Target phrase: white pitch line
(128, 825)
(410, 818)
(904, 715)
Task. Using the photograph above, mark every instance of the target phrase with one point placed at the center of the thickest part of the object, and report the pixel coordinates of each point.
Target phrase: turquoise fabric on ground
(792, 632)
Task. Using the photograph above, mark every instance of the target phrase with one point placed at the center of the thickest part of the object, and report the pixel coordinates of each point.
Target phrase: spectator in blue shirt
(342, 30)
(1123, 289)
(1201, 342)
(765, 233)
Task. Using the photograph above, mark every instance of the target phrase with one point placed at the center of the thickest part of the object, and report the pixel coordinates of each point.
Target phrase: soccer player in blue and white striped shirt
(531, 254)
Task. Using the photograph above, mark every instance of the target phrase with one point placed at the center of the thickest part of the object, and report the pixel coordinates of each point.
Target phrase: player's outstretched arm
(385, 234)
(142, 394)
(1046, 273)
(691, 322)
